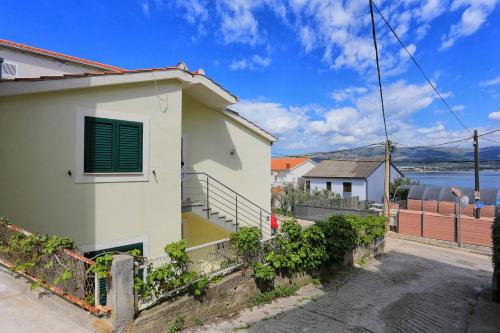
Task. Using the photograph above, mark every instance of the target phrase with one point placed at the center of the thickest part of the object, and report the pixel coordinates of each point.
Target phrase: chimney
(288, 165)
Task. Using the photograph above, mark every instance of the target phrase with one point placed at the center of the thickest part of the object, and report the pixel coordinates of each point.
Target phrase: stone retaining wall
(233, 293)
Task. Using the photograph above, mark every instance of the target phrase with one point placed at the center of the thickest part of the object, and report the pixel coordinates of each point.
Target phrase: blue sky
(304, 70)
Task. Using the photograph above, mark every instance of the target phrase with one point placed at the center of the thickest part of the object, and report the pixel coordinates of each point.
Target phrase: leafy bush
(173, 275)
(247, 243)
(263, 273)
(177, 326)
(344, 233)
(268, 296)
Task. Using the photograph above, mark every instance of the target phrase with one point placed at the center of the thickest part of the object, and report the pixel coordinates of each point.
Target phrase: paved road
(25, 311)
(412, 288)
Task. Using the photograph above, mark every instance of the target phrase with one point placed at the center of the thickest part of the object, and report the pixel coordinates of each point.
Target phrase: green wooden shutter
(98, 145)
(112, 145)
(129, 152)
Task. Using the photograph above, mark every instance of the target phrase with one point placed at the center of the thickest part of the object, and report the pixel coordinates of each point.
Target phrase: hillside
(425, 158)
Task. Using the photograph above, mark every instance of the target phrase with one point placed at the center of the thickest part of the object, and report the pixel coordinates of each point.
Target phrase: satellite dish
(464, 201)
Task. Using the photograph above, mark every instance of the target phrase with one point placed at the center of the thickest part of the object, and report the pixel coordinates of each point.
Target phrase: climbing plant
(174, 275)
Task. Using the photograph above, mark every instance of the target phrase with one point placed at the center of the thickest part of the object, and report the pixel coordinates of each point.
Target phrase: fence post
(237, 227)
(260, 220)
(97, 290)
(121, 295)
(208, 206)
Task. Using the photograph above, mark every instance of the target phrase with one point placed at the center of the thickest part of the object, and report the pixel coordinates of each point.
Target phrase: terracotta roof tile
(52, 54)
(282, 164)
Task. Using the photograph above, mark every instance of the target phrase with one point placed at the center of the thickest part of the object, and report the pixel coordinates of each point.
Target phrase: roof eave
(190, 81)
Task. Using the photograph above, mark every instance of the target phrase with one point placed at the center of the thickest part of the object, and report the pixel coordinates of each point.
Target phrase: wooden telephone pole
(387, 180)
(477, 193)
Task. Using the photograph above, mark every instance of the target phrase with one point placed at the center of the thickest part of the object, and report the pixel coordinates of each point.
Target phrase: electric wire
(374, 35)
(418, 66)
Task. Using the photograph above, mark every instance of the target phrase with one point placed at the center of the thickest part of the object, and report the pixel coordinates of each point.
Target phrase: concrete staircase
(213, 216)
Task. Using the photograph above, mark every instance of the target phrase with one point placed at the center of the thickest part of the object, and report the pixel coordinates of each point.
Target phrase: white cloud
(341, 95)
(238, 23)
(458, 107)
(491, 82)
(473, 17)
(307, 38)
(195, 11)
(255, 62)
(494, 115)
(359, 122)
(145, 8)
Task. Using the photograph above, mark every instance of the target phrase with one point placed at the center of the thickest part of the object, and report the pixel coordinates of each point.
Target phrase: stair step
(214, 213)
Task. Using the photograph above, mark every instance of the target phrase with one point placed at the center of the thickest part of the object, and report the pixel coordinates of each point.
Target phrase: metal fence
(315, 213)
(210, 259)
(77, 286)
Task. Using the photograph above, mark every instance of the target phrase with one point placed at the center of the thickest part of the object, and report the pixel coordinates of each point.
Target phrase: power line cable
(374, 35)
(329, 152)
(450, 142)
(418, 66)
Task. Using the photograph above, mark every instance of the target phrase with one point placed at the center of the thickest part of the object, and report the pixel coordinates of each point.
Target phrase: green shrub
(247, 243)
(177, 326)
(268, 296)
(297, 249)
(174, 275)
(263, 273)
(344, 233)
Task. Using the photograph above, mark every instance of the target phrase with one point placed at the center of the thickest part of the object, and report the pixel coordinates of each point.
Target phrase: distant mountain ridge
(420, 155)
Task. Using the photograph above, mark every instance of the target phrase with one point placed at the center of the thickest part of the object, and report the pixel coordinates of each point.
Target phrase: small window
(329, 186)
(347, 189)
(308, 186)
(112, 145)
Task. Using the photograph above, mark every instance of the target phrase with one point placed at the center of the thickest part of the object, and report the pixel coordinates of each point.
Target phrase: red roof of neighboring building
(31, 49)
(281, 164)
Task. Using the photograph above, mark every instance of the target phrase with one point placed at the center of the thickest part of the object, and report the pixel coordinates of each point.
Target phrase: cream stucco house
(117, 158)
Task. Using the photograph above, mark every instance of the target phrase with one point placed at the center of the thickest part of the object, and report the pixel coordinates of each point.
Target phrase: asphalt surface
(413, 287)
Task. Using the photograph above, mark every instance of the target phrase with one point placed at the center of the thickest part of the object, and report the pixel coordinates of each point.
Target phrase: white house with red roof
(286, 170)
(118, 159)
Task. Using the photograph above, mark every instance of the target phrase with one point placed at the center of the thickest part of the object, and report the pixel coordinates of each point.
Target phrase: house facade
(362, 178)
(289, 170)
(105, 157)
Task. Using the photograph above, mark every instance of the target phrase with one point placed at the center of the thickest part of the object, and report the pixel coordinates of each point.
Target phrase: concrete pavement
(412, 288)
(23, 310)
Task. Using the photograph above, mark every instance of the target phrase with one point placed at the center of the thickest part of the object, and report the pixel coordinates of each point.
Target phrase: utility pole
(387, 181)
(477, 193)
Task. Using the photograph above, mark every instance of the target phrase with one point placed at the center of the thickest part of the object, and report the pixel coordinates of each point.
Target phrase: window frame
(115, 168)
(81, 176)
(329, 186)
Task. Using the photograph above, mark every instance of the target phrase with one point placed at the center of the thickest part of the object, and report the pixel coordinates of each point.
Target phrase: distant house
(363, 178)
(289, 170)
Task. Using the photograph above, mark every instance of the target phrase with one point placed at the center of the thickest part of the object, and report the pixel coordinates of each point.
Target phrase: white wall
(376, 183)
(37, 148)
(358, 185)
(29, 65)
(211, 136)
(293, 175)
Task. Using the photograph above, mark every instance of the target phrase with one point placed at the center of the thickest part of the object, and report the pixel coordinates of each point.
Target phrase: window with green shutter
(112, 145)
